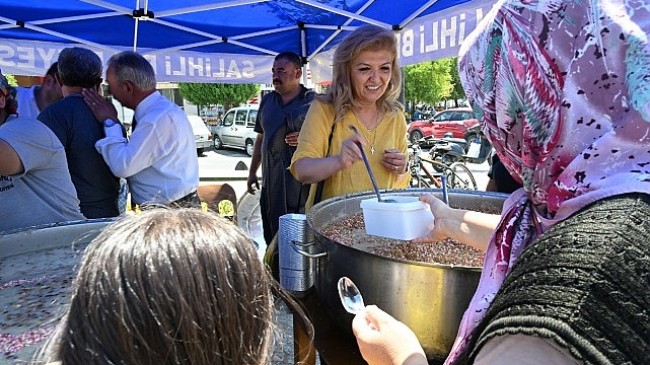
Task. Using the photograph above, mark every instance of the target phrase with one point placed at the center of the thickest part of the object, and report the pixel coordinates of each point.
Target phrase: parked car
(236, 129)
(202, 134)
(454, 121)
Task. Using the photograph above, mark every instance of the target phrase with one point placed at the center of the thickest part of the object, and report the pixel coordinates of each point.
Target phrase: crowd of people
(66, 116)
(561, 91)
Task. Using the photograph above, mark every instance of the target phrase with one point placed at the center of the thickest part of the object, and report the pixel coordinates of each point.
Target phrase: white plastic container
(406, 219)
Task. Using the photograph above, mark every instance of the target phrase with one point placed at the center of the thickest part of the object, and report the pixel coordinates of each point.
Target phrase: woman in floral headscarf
(562, 89)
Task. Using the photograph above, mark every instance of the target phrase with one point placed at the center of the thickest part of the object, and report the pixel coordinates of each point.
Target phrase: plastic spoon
(350, 296)
(372, 176)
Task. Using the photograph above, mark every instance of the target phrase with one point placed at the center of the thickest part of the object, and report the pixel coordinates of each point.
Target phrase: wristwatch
(109, 123)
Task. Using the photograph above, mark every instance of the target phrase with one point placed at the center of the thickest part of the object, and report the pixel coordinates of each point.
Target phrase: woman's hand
(351, 151)
(394, 161)
(440, 212)
(465, 226)
(383, 340)
(291, 139)
(101, 108)
(312, 170)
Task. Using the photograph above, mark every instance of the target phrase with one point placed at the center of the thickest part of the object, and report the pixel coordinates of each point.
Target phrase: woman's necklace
(367, 131)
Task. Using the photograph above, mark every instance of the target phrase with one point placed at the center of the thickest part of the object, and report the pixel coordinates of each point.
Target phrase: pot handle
(296, 244)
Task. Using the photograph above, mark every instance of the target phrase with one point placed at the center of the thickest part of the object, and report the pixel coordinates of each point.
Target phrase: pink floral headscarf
(562, 89)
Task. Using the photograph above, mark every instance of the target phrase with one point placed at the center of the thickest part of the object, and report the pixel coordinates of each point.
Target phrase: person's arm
(127, 158)
(383, 340)
(147, 143)
(251, 183)
(523, 349)
(312, 170)
(26, 145)
(10, 163)
(396, 159)
(466, 226)
(491, 185)
(307, 164)
(397, 163)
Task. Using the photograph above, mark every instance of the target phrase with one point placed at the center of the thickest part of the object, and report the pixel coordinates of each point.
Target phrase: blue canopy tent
(224, 40)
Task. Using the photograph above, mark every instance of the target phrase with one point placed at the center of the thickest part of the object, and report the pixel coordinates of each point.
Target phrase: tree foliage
(228, 95)
(428, 82)
(457, 91)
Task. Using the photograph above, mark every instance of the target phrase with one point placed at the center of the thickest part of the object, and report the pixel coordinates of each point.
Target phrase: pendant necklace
(372, 144)
(374, 131)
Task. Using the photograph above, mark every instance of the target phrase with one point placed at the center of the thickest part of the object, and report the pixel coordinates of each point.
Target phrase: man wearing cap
(75, 126)
(159, 159)
(35, 185)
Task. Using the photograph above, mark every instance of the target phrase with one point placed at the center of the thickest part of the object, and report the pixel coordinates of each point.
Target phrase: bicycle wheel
(460, 177)
(418, 181)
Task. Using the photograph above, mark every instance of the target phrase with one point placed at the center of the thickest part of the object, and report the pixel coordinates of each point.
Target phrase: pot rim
(322, 239)
(41, 227)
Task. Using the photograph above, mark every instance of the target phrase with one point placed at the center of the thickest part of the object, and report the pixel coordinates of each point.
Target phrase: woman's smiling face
(371, 74)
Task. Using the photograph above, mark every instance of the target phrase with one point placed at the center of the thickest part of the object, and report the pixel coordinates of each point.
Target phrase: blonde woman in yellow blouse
(365, 87)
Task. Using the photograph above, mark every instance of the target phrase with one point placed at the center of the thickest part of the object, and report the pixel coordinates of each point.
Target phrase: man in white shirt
(159, 160)
(33, 100)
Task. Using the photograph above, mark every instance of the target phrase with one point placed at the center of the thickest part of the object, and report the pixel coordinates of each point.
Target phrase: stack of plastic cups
(296, 272)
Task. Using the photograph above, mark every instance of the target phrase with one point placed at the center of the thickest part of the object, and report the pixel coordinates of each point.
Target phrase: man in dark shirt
(278, 123)
(500, 179)
(75, 125)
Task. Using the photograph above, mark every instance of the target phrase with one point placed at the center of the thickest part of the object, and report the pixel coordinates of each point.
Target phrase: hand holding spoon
(372, 176)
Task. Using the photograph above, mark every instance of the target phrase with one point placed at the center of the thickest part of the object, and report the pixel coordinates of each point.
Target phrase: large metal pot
(429, 298)
(26, 255)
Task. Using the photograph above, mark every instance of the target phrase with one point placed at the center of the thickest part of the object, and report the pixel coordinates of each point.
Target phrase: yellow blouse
(312, 143)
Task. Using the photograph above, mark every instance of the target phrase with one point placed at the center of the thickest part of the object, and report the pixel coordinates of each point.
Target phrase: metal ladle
(445, 195)
(350, 296)
(372, 176)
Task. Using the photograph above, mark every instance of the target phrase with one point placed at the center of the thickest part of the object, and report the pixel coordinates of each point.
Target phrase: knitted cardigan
(585, 284)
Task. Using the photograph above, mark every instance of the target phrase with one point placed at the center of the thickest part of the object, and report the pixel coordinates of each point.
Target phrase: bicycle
(458, 176)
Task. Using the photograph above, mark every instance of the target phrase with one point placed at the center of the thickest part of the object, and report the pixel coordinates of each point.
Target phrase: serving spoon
(350, 296)
(372, 176)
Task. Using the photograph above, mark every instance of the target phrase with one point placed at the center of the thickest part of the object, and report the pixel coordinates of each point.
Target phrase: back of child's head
(167, 287)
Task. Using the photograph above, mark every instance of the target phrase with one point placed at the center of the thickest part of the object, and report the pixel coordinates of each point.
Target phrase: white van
(202, 134)
(236, 129)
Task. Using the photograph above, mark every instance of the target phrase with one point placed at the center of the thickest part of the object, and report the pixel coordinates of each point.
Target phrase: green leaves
(430, 82)
(228, 95)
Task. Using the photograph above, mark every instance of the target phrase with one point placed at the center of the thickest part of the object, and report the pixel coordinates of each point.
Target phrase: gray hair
(79, 66)
(131, 66)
